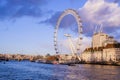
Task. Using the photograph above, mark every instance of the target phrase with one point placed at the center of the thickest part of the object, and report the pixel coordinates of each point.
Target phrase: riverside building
(104, 49)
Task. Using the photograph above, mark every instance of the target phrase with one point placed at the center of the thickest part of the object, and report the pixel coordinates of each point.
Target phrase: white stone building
(98, 39)
(104, 49)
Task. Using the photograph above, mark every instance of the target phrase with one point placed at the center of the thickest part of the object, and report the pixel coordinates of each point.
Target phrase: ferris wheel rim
(78, 20)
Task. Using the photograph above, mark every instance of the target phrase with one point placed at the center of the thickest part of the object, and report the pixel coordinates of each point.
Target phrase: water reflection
(35, 71)
(88, 72)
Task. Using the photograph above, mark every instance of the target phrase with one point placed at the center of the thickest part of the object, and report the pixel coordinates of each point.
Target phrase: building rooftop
(114, 45)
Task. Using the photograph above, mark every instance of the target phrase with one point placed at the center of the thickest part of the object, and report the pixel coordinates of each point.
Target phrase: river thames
(25, 70)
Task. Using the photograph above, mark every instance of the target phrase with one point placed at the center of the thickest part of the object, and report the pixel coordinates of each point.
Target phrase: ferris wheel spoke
(80, 31)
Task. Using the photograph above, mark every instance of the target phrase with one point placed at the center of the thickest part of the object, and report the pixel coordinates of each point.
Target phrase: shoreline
(68, 63)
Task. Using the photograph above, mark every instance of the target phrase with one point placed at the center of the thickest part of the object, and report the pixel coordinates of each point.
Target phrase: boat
(71, 65)
(55, 62)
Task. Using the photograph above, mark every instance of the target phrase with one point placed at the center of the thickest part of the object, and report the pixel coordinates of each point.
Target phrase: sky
(27, 26)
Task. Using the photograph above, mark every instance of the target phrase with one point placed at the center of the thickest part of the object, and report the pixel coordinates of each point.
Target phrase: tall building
(104, 49)
(98, 39)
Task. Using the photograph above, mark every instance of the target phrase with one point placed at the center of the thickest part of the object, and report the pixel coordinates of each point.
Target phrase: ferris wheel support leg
(72, 47)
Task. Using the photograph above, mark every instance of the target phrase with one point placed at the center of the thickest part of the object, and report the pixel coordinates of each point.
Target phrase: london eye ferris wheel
(74, 50)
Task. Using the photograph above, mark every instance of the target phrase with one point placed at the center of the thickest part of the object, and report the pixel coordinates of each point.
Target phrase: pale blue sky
(24, 26)
(23, 33)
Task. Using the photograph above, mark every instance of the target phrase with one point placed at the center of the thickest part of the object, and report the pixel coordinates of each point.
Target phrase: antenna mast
(101, 28)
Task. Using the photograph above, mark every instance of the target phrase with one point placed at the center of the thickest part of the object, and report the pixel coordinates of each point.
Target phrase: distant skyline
(27, 26)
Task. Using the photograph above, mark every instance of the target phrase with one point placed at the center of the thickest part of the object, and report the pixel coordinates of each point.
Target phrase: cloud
(19, 8)
(64, 45)
(115, 1)
(101, 12)
(94, 12)
(53, 19)
(67, 22)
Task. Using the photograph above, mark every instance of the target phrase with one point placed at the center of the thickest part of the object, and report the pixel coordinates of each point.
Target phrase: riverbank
(68, 63)
(51, 59)
(77, 62)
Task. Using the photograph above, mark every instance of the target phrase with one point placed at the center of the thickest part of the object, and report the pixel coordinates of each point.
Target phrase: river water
(26, 70)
